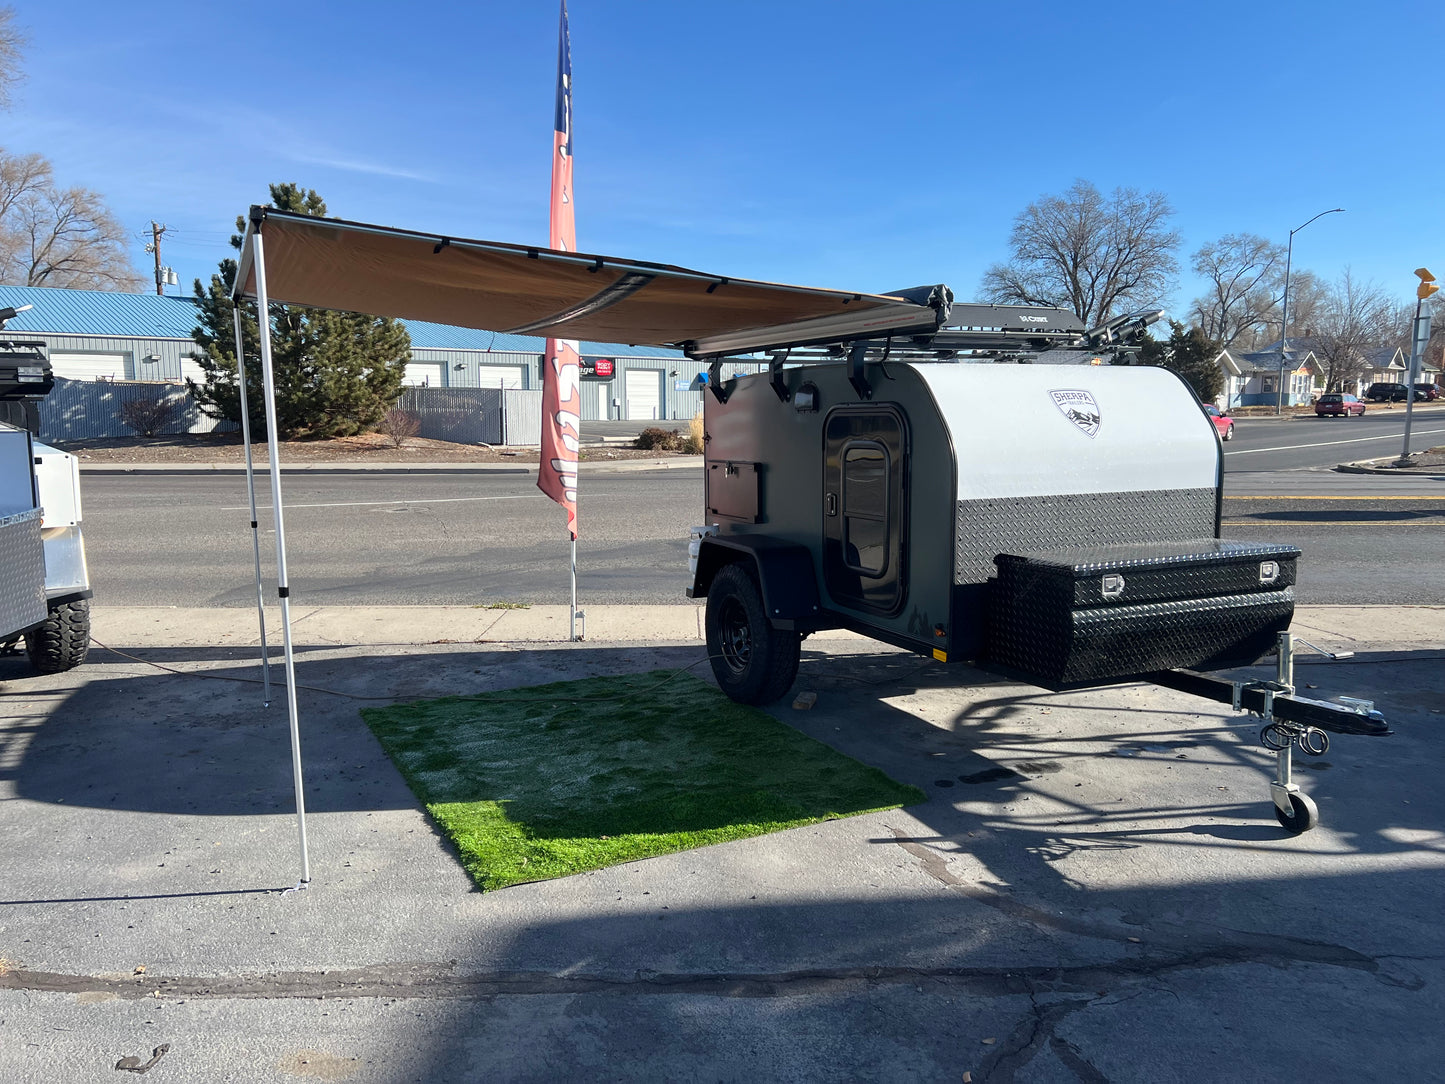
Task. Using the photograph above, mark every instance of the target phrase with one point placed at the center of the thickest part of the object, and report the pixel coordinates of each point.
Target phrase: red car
(1223, 423)
(1334, 404)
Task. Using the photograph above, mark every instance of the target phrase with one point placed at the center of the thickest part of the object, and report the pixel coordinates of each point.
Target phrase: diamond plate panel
(1152, 573)
(22, 572)
(1197, 604)
(987, 528)
(1117, 642)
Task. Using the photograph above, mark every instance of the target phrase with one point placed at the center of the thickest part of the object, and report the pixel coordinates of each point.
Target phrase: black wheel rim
(736, 636)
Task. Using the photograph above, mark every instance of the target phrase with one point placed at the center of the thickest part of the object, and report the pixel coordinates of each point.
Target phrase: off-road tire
(753, 662)
(62, 641)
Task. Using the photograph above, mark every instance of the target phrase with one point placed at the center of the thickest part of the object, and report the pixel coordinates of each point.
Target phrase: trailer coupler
(1289, 721)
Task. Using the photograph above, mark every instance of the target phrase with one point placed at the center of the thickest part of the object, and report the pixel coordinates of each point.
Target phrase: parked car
(1386, 392)
(1427, 392)
(1223, 423)
(1334, 404)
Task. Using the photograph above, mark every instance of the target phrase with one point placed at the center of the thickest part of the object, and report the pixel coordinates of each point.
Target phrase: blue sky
(854, 145)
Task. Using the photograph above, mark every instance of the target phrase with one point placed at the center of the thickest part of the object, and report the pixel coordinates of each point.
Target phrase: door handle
(831, 504)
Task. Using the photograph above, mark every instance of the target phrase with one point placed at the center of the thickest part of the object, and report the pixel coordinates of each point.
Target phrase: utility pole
(155, 246)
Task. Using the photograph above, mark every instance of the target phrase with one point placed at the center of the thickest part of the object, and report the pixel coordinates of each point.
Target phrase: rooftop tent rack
(980, 331)
(968, 332)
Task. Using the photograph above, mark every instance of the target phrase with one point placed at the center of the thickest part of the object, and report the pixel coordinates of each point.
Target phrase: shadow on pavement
(1083, 907)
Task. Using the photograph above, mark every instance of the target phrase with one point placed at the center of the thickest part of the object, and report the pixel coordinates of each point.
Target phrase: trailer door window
(865, 508)
(864, 514)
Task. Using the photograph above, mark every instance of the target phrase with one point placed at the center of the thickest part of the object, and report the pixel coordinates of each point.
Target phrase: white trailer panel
(1043, 430)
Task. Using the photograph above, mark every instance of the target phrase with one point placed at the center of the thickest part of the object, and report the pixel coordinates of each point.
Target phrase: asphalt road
(1269, 444)
(482, 539)
(390, 539)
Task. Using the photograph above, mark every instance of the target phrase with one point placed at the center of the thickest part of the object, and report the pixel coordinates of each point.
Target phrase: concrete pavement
(1096, 888)
(379, 626)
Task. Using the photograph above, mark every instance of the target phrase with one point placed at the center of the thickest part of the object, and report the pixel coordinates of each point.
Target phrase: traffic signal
(1428, 285)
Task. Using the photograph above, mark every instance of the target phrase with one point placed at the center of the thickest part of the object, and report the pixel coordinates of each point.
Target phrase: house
(97, 336)
(1253, 379)
(1386, 364)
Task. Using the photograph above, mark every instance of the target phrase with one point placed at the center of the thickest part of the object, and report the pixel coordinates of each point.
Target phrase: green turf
(551, 780)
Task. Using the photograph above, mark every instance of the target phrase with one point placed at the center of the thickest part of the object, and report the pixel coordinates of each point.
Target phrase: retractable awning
(329, 263)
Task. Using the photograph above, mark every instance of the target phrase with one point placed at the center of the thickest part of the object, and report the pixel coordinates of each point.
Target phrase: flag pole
(575, 614)
(283, 588)
(251, 492)
(561, 364)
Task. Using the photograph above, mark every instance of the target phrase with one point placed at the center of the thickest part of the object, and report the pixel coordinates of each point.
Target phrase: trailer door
(864, 493)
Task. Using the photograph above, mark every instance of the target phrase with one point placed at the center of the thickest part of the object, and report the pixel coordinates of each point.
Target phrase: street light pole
(1284, 312)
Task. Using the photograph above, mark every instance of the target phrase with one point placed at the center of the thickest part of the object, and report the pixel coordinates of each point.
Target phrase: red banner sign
(561, 393)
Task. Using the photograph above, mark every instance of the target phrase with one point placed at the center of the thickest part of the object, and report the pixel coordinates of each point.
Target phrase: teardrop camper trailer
(1056, 521)
(1011, 492)
(959, 480)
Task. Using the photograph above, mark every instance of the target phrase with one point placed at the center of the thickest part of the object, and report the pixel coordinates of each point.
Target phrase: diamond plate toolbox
(1072, 617)
(22, 572)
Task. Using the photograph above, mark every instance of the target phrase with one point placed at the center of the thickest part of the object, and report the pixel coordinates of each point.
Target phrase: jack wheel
(1306, 814)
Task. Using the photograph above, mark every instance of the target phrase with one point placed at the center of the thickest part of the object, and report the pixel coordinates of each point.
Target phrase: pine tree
(336, 373)
(1190, 353)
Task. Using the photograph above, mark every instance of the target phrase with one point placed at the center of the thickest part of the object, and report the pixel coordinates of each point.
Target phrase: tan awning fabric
(354, 267)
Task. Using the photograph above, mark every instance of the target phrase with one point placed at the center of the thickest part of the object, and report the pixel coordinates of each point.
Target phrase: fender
(783, 570)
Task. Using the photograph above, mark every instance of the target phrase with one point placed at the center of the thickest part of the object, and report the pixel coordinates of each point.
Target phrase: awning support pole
(283, 588)
(251, 492)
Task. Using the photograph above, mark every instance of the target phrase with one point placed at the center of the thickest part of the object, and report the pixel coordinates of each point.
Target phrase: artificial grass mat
(555, 779)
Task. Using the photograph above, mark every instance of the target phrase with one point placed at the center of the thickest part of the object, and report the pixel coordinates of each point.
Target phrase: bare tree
(399, 426)
(12, 43)
(53, 236)
(1245, 273)
(1093, 255)
(1308, 296)
(148, 416)
(1357, 319)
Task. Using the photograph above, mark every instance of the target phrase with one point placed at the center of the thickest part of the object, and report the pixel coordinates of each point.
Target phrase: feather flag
(561, 365)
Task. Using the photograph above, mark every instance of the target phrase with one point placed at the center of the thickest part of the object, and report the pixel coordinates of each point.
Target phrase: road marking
(1327, 443)
(393, 504)
(1323, 497)
(1332, 523)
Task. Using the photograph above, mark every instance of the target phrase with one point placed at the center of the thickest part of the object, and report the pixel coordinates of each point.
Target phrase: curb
(585, 467)
(398, 627)
(1367, 466)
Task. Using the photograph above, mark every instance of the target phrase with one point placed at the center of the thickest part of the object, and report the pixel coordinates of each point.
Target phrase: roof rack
(967, 333)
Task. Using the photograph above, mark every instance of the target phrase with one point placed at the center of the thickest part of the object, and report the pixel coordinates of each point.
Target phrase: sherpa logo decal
(1079, 407)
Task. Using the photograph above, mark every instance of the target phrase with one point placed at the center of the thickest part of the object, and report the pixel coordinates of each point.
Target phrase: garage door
(644, 393)
(190, 369)
(501, 376)
(92, 366)
(423, 374)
